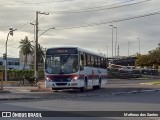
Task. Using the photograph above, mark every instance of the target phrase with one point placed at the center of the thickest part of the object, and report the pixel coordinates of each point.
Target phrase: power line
(25, 3)
(27, 27)
(100, 9)
(76, 11)
(114, 21)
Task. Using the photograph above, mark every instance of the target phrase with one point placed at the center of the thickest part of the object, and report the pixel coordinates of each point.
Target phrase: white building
(13, 63)
(30, 60)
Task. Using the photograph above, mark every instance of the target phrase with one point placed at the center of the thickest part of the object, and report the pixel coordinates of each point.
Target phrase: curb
(87, 95)
(40, 90)
(134, 92)
(21, 98)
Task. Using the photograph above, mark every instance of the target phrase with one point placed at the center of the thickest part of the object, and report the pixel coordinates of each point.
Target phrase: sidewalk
(114, 87)
(15, 92)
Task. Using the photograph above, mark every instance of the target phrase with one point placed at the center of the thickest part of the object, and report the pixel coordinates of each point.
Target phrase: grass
(154, 83)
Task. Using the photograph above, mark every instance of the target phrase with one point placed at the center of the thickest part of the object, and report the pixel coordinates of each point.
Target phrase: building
(13, 63)
(30, 60)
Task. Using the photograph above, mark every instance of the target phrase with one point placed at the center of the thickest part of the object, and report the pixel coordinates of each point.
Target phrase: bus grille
(61, 84)
(61, 80)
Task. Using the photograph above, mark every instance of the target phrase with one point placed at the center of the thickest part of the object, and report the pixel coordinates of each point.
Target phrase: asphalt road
(92, 100)
(132, 102)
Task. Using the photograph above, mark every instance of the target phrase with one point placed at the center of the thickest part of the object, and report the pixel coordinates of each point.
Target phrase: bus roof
(80, 49)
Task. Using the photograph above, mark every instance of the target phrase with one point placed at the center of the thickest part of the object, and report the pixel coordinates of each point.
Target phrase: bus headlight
(48, 79)
(75, 78)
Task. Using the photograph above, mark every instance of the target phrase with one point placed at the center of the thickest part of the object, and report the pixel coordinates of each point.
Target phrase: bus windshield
(61, 64)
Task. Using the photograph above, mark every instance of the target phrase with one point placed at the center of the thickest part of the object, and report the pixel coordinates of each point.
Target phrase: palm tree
(26, 48)
(40, 54)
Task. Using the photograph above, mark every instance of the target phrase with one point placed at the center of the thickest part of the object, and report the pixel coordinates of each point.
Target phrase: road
(92, 100)
(131, 102)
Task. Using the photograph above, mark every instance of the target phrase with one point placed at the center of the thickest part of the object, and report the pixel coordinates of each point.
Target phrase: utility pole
(112, 40)
(116, 43)
(36, 44)
(139, 45)
(128, 48)
(107, 50)
(6, 59)
(118, 52)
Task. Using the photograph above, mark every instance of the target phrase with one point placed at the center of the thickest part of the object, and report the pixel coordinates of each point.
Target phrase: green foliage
(40, 54)
(26, 48)
(142, 60)
(151, 59)
(17, 75)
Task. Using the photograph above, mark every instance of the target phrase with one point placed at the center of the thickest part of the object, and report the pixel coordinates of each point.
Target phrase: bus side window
(92, 61)
(105, 63)
(81, 61)
(84, 55)
(98, 62)
(89, 60)
(101, 62)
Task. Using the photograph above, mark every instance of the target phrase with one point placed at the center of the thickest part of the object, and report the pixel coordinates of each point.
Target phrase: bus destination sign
(62, 51)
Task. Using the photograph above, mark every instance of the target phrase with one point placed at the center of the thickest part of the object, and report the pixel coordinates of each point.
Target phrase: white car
(127, 68)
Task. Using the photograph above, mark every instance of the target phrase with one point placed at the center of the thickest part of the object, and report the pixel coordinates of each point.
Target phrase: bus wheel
(82, 89)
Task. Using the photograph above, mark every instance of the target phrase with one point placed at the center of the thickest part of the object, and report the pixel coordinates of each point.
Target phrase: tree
(154, 56)
(40, 54)
(151, 59)
(142, 60)
(26, 48)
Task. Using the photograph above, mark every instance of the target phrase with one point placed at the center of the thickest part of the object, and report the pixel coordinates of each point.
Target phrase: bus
(74, 68)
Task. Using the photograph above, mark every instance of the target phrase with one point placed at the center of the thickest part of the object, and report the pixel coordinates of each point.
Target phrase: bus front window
(61, 64)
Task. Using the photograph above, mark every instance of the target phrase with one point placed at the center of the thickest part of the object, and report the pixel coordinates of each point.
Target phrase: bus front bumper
(64, 85)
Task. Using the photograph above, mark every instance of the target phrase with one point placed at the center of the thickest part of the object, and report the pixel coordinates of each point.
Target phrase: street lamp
(35, 49)
(107, 50)
(128, 48)
(116, 43)
(34, 29)
(139, 45)
(9, 33)
(112, 40)
(46, 31)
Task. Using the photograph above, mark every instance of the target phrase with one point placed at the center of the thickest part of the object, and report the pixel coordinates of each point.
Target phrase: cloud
(93, 38)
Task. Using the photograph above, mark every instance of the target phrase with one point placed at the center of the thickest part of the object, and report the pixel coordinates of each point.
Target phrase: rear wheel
(98, 86)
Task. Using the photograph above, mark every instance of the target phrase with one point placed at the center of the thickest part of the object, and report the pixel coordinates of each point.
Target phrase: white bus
(74, 68)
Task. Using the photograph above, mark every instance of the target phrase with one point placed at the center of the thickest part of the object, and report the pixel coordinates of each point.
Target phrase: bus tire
(82, 89)
(97, 86)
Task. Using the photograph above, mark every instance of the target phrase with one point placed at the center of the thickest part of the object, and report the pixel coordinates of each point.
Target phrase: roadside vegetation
(154, 83)
(152, 59)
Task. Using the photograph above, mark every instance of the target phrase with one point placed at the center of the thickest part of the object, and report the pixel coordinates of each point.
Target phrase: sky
(83, 23)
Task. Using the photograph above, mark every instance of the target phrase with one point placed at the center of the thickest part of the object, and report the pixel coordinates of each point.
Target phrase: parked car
(127, 68)
(148, 71)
